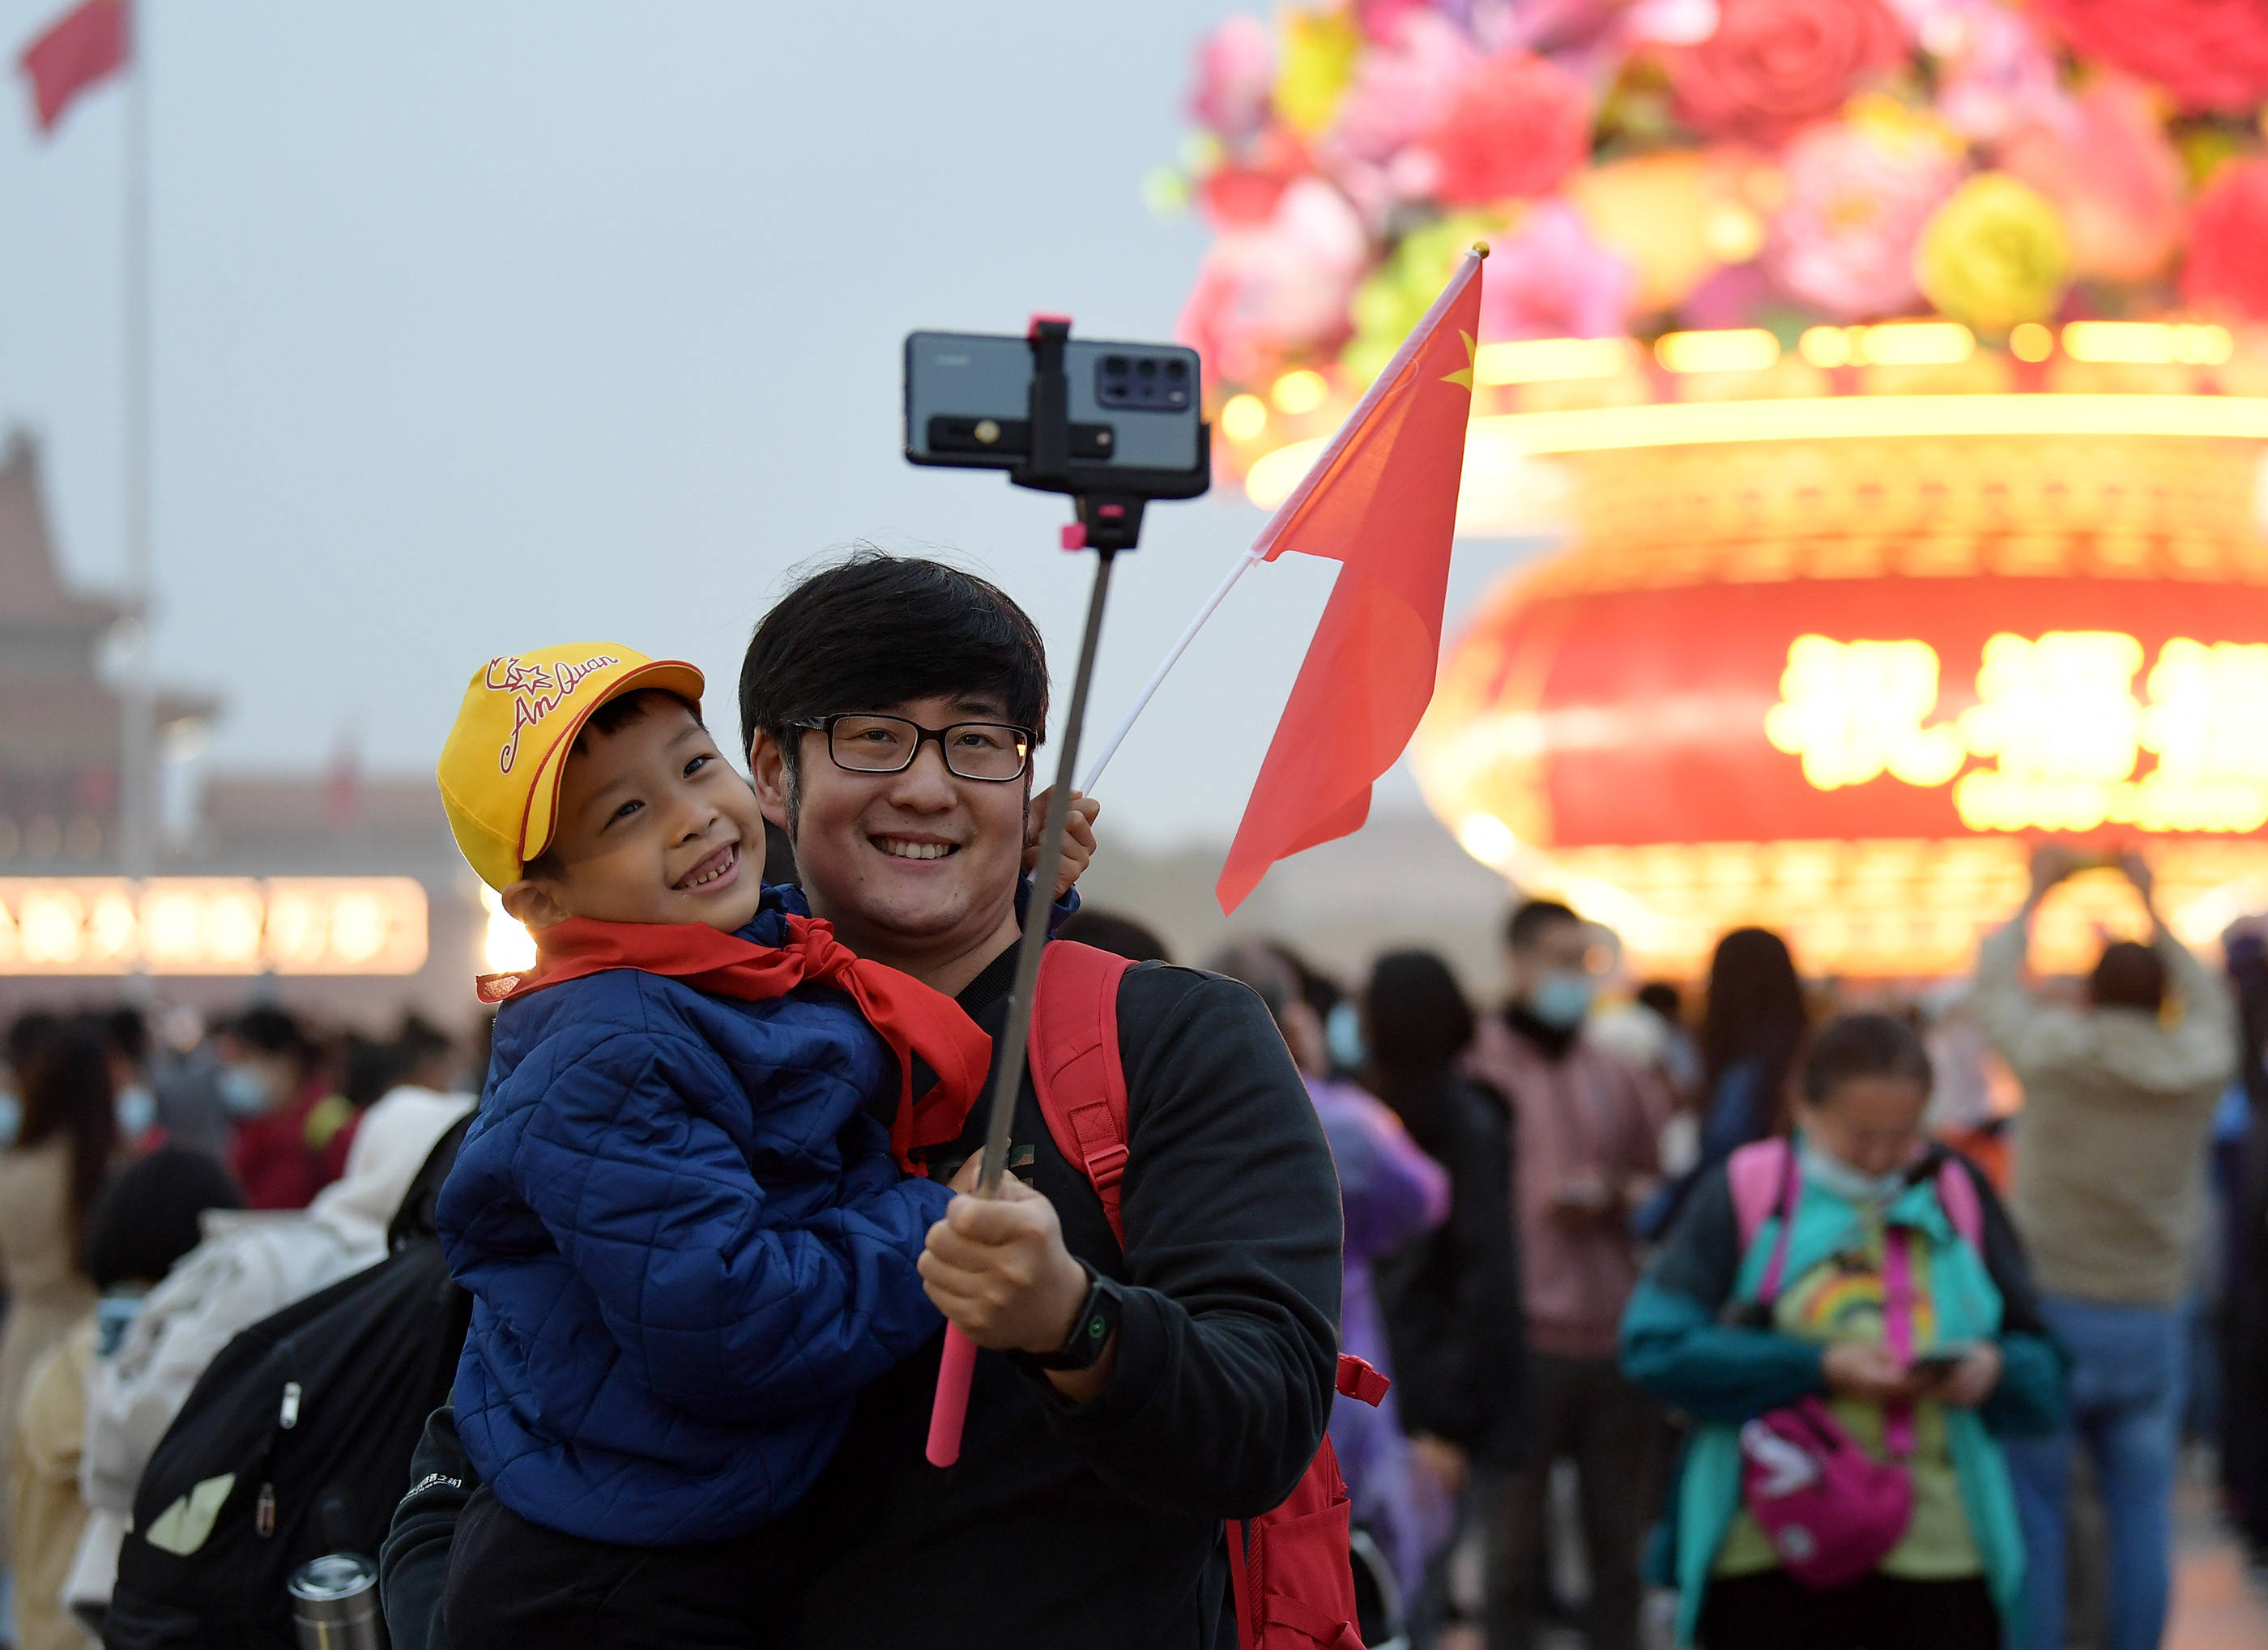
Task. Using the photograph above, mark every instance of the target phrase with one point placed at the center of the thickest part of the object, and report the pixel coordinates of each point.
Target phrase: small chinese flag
(1382, 502)
(80, 49)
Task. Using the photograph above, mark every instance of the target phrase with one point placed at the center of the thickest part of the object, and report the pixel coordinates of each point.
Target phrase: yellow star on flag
(1464, 374)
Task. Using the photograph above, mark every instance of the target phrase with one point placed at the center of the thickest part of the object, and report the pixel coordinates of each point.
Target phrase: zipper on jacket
(287, 1417)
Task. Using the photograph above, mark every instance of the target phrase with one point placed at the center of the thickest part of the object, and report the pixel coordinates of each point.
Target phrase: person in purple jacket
(1389, 1192)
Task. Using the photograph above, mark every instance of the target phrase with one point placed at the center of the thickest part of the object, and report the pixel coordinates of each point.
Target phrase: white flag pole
(1292, 505)
(1150, 687)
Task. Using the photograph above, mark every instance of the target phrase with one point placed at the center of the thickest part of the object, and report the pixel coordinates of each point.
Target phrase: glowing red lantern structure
(1839, 685)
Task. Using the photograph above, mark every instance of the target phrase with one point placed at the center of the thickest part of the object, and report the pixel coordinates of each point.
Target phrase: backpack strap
(1755, 1172)
(1357, 1380)
(1076, 1071)
(1957, 1194)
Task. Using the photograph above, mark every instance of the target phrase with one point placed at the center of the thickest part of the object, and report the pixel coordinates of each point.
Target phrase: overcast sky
(486, 326)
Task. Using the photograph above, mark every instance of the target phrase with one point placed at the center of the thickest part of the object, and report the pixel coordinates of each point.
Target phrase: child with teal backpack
(1848, 1319)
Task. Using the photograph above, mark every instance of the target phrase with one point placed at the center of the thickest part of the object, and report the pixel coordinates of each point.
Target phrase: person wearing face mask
(1586, 1126)
(1868, 1281)
(126, 1036)
(271, 1082)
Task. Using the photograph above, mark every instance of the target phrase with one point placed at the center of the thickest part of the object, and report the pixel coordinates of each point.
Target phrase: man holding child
(1095, 1472)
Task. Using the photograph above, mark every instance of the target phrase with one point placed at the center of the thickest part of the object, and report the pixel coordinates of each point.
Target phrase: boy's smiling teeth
(710, 869)
(899, 848)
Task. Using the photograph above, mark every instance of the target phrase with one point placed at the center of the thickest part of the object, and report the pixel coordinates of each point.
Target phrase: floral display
(1994, 255)
(2229, 244)
(1643, 167)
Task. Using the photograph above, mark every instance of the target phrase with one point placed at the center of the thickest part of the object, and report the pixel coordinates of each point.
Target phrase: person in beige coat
(2109, 1197)
(47, 1185)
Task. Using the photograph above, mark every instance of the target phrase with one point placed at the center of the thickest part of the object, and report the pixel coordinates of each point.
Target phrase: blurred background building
(334, 891)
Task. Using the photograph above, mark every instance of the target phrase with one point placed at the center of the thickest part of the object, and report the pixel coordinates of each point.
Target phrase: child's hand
(1078, 842)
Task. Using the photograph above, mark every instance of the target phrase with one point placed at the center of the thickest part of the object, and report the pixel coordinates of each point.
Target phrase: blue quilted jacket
(688, 1248)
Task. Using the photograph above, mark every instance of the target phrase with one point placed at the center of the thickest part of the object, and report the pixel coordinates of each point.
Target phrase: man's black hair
(129, 1032)
(1853, 1046)
(876, 630)
(2128, 975)
(369, 1072)
(271, 1031)
(1529, 922)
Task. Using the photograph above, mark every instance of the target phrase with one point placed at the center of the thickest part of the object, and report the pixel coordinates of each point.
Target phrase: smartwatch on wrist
(1090, 1330)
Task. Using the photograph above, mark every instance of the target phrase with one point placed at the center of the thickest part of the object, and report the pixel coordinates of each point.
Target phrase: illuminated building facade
(1840, 685)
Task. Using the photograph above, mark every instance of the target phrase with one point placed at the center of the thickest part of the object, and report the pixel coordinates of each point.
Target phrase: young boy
(679, 1210)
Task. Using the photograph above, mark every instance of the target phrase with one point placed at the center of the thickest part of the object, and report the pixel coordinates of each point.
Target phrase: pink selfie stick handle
(953, 1373)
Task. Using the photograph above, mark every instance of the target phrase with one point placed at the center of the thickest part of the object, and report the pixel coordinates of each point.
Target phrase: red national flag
(80, 48)
(1382, 502)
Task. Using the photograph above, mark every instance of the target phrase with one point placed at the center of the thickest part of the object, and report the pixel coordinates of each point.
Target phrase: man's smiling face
(908, 866)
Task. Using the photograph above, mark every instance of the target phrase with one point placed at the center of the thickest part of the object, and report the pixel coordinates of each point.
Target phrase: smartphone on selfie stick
(1114, 425)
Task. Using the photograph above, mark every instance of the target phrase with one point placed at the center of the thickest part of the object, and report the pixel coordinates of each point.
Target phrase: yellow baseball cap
(501, 768)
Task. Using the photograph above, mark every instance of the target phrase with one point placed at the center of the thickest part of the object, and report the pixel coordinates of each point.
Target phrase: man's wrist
(1088, 1335)
(1067, 1297)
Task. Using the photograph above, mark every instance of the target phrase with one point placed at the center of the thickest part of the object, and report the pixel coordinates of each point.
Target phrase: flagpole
(1150, 687)
(137, 799)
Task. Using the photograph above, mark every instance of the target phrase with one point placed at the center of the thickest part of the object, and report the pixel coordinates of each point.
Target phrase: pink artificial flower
(1401, 82)
(1278, 288)
(1517, 126)
(2209, 54)
(1551, 278)
(1775, 66)
(2113, 176)
(1235, 76)
(1244, 191)
(1995, 72)
(1857, 201)
(2228, 242)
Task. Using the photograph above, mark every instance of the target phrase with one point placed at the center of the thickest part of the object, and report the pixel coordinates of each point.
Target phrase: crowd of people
(157, 1195)
(1800, 1303)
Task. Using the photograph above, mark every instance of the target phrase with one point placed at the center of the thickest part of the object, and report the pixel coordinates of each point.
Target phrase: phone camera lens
(1115, 365)
(1147, 368)
(1177, 369)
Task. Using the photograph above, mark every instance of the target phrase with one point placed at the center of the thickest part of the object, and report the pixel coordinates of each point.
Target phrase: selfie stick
(1107, 524)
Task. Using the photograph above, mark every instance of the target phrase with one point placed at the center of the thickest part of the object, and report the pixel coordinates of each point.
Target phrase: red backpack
(1295, 1587)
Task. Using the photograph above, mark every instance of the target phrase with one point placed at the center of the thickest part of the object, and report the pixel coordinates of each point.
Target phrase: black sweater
(1099, 1525)
(1094, 1525)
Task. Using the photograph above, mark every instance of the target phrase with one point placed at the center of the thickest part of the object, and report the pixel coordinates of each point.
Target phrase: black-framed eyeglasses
(994, 752)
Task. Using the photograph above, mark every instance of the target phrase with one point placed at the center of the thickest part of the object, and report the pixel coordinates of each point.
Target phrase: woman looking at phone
(1849, 1318)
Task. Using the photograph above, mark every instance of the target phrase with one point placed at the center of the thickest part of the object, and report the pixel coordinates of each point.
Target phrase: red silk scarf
(912, 1018)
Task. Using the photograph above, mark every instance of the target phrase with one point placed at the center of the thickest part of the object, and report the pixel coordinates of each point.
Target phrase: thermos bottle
(335, 1603)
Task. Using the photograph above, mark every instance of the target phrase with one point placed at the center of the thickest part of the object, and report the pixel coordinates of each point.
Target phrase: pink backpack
(1831, 1510)
(1290, 1567)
